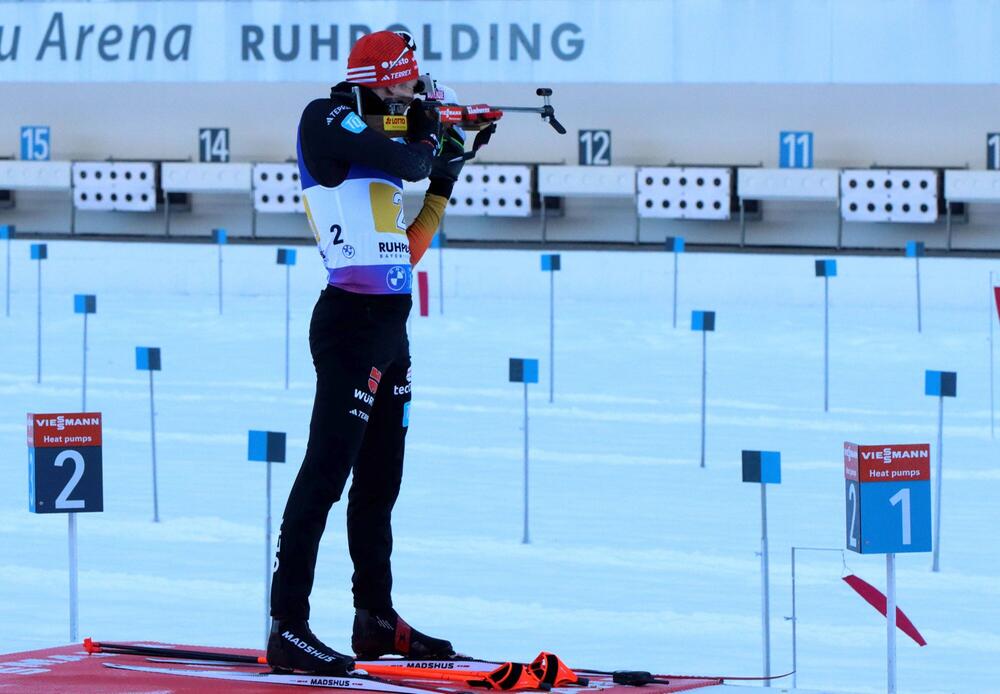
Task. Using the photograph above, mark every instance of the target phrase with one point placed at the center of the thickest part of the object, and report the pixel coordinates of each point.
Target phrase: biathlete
(352, 186)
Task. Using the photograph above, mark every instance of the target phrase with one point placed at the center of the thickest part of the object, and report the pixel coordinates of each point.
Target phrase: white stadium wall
(664, 97)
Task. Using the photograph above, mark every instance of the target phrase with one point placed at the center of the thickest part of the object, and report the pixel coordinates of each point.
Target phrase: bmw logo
(348, 251)
(396, 278)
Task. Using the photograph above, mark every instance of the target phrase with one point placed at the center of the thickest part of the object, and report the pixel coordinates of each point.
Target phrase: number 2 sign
(64, 463)
(888, 493)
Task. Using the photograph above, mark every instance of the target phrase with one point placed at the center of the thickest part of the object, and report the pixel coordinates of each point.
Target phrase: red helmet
(382, 59)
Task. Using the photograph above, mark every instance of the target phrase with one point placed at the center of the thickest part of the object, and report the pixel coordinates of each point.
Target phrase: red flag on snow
(996, 297)
(877, 599)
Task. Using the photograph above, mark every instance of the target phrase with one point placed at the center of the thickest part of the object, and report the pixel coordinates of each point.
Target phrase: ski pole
(92, 647)
(637, 678)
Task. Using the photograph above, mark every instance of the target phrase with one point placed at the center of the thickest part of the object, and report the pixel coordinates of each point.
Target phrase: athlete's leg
(340, 412)
(378, 629)
(377, 475)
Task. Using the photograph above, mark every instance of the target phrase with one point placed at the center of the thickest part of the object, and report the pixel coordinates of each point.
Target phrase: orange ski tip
(90, 646)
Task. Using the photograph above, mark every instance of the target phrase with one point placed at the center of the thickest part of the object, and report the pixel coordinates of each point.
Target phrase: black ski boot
(292, 646)
(383, 632)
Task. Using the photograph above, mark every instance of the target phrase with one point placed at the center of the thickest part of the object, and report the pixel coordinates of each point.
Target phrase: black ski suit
(361, 354)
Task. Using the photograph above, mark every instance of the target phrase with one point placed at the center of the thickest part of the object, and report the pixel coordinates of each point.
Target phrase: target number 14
(213, 145)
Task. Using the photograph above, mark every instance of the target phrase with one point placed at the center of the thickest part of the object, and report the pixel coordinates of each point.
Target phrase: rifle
(478, 118)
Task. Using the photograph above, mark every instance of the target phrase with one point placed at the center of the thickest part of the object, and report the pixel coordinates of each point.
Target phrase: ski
(461, 663)
(351, 682)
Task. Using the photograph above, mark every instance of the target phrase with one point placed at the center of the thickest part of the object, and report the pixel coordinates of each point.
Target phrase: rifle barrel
(521, 109)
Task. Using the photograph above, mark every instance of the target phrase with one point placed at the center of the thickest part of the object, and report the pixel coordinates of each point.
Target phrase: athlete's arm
(422, 229)
(444, 173)
(334, 137)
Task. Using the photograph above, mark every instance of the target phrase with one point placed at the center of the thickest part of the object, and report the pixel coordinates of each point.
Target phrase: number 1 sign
(888, 511)
(888, 498)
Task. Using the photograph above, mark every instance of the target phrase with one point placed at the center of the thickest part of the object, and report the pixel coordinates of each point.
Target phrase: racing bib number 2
(387, 208)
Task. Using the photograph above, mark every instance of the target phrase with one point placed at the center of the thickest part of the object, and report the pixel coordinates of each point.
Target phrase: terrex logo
(335, 112)
(374, 378)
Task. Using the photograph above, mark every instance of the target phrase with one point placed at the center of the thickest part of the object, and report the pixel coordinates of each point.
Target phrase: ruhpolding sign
(489, 41)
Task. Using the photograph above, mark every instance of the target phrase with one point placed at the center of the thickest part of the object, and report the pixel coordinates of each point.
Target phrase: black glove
(450, 160)
(424, 124)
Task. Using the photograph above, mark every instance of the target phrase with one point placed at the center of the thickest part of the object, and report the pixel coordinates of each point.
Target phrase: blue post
(916, 249)
(85, 304)
(551, 263)
(7, 232)
(148, 359)
(438, 242)
(826, 269)
(675, 245)
(941, 384)
(267, 447)
(524, 371)
(286, 257)
(703, 321)
(763, 467)
(221, 238)
(39, 252)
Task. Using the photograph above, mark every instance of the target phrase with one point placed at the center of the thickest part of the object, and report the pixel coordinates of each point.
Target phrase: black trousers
(359, 421)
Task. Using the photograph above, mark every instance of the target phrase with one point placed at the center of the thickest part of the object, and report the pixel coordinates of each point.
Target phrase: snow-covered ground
(639, 558)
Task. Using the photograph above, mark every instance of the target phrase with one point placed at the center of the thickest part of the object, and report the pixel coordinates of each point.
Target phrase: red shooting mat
(70, 670)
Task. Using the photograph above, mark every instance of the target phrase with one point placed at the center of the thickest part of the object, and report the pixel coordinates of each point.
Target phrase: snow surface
(639, 558)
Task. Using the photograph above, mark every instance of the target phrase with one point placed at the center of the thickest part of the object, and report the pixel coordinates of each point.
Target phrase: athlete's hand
(424, 124)
(450, 160)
